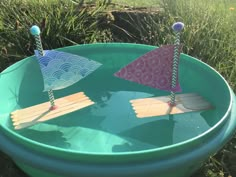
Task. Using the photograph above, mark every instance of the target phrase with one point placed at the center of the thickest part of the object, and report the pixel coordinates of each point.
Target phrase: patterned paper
(60, 69)
(153, 69)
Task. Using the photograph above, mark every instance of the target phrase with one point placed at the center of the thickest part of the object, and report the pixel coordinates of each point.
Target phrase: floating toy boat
(59, 70)
(159, 69)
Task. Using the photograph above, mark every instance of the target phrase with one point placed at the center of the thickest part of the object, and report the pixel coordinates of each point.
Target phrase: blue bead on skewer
(35, 30)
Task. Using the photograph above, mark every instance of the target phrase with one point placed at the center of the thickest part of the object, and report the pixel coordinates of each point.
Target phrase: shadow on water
(111, 119)
(30, 91)
(151, 135)
(49, 137)
(210, 116)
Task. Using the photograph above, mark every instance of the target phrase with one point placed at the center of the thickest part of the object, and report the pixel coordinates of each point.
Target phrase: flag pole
(35, 31)
(177, 27)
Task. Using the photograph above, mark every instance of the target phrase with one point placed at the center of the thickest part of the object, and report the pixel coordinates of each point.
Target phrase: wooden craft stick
(50, 115)
(34, 109)
(157, 106)
(46, 115)
(42, 112)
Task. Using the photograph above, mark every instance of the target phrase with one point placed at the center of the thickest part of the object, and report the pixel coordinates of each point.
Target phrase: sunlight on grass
(210, 32)
(138, 3)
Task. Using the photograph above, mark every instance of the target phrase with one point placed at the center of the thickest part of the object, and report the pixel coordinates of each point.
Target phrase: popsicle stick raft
(40, 113)
(157, 106)
(59, 70)
(159, 69)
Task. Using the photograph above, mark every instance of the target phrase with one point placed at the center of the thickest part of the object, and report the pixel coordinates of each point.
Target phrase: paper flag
(60, 69)
(152, 69)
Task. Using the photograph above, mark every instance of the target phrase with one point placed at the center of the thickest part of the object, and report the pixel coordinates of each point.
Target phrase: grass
(209, 35)
(138, 3)
(62, 23)
(8, 168)
(212, 39)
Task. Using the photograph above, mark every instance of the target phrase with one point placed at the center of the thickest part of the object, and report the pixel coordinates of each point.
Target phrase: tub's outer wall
(177, 165)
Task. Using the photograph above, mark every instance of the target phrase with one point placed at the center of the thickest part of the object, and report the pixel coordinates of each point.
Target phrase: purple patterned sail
(60, 69)
(152, 69)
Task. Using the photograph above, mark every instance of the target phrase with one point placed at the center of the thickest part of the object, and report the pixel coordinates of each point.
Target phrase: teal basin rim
(206, 133)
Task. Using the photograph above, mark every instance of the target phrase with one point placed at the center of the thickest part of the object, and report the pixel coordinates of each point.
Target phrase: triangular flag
(60, 69)
(152, 69)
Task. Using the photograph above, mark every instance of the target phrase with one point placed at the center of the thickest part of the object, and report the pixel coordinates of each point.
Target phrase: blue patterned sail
(61, 69)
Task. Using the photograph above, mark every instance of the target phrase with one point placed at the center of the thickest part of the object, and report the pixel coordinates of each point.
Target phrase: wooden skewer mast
(177, 27)
(35, 31)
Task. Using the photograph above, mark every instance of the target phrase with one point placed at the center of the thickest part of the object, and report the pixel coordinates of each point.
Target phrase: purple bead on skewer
(178, 26)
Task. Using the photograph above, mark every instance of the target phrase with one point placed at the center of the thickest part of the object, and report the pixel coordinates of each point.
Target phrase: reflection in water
(110, 125)
(158, 133)
(91, 140)
(210, 116)
(149, 135)
(49, 137)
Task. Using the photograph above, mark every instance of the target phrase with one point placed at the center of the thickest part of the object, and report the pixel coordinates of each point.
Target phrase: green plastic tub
(106, 139)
